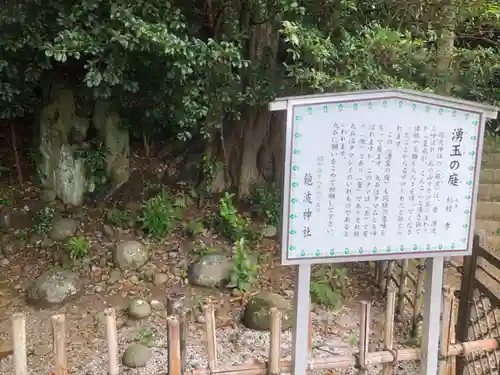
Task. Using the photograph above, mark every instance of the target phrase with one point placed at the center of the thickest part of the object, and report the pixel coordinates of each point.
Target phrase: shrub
(265, 202)
(159, 215)
(78, 247)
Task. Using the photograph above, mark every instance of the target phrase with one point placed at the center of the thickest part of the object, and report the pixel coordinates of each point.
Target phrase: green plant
(160, 215)
(209, 168)
(145, 336)
(353, 340)
(245, 269)
(328, 285)
(194, 227)
(119, 218)
(78, 247)
(56, 267)
(94, 159)
(22, 235)
(232, 224)
(44, 220)
(204, 250)
(265, 202)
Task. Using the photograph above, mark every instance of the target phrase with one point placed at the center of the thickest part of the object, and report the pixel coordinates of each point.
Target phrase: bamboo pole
(402, 289)
(452, 361)
(112, 336)
(364, 337)
(275, 342)
(389, 327)
(211, 338)
(59, 337)
(445, 332)
(390, 271)
(174, 346)
(19, 341)
(417, 304)
(381, 274)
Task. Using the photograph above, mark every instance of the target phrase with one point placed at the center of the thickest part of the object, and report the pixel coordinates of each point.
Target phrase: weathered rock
(71, 183)
(48, 195)
(42, 350)
(257, 312)
(107, 230)
(139, 309)
(56, 119)
(136, 355)
(116, 142)
(269, 231)
(63, 228)
(114, 276)
(54, 287)
(11, 218)
(156, 304)
(130, 255)
(212, 270)
(159, 278)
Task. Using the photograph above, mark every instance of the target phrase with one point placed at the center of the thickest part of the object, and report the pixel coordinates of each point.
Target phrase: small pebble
(4, 262)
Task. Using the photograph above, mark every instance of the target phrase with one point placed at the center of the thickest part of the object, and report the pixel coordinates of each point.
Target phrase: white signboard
(370, 178)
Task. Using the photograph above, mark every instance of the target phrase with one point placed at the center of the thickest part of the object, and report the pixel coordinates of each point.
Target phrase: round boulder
(63, 228)
(136, 355)
(211, 271)
(139, 309)
(258, 315)
(130, 255)
(54, 287)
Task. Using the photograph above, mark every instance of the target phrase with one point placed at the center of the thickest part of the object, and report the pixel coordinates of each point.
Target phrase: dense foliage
(205, 68)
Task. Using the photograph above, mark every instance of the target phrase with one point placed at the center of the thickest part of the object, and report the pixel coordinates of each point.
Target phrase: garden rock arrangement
(257, 313)
(130, 255)
(54, 287)
(212, 270)
(139, 309)
(136, 355)
(63, 228)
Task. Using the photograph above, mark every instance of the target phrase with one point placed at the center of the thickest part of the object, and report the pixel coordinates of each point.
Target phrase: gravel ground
(333, 334)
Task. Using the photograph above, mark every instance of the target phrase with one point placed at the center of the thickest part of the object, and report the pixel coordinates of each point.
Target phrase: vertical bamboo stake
(19, 339)
(452, 361)
(59, 337)
(275, 342)
(390, 271)
(402, 289)
(364, 336)
(174, 346)
(211, 339)
(445, 332)
(177, 308)
(381, 274)
(389, 327)
(417, 303)
(112, 337)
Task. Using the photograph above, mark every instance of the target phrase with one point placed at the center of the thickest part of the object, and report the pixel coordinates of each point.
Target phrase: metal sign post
(379, 175)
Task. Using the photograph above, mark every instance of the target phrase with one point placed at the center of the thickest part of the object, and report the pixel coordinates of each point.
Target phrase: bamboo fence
(479, 305)
(388, 357)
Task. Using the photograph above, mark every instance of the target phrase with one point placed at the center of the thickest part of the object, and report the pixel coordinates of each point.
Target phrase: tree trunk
(262, 50)
(255, 129)
(446, 46)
